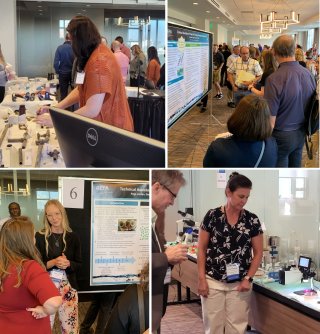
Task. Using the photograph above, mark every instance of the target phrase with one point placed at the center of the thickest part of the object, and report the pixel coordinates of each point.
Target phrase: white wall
(8, 30)
(202, 194)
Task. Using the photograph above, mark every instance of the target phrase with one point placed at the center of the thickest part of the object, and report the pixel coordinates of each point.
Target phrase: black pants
(204, 101)
(101, 306)
(64, 83)
(2, 91)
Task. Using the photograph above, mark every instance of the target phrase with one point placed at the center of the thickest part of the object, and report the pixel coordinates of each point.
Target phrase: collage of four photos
(160, 167)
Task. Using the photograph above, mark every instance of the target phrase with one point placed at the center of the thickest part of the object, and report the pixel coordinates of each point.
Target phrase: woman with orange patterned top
(153, 69)
(100, 91)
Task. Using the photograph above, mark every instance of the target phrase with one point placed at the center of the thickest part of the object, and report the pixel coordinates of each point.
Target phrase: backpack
(311, 123)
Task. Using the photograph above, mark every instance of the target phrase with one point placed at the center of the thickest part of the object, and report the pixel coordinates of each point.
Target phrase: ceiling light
(207, 11)
(195, 3)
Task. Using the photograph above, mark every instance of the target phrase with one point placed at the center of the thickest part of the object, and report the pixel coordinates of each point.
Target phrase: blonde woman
(61, 253)
(3, 76)
(27, 295)
(138, 67)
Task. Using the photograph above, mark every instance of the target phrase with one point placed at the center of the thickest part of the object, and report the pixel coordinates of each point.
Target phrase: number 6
(73, 193)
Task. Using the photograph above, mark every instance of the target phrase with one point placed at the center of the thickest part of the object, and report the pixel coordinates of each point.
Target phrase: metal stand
(188, 299)
(215, 118)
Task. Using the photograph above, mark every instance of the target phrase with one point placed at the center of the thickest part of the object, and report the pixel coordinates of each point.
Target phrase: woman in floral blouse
(229, 254)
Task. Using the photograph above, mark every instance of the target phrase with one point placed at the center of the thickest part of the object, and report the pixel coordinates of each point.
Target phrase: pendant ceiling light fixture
(273, 24)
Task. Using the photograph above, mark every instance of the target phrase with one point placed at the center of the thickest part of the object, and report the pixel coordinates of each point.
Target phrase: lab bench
(274, 307)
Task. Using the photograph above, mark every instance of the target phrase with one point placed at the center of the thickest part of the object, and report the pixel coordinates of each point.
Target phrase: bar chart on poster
(189, 68)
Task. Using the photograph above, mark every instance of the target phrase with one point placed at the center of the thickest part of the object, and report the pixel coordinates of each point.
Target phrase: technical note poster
(188, 69)
(119, 232)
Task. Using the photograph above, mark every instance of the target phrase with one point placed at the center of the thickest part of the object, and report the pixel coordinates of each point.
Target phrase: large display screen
(189, 68)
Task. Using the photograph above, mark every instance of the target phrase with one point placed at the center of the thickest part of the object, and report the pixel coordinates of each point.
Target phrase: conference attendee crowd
(284, 79)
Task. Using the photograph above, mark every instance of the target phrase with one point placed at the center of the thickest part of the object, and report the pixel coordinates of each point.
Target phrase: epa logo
(92, 137)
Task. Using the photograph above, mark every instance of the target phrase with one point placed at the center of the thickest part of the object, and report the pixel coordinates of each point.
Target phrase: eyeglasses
(171, 193)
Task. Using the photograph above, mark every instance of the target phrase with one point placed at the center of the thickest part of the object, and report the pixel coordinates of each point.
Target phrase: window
(62, 28)
(310, 38)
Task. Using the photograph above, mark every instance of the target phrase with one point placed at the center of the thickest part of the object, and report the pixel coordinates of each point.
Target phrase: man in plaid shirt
(240, 65)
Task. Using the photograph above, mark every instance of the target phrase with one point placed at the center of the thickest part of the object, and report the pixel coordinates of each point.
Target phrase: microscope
(304, 266)
(186, 230)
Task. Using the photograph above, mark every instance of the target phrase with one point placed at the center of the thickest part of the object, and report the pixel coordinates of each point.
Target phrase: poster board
(106, 209)
(189, 69)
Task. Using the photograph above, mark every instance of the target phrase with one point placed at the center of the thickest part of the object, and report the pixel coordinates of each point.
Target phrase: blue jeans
(290, 146)
(239, 94)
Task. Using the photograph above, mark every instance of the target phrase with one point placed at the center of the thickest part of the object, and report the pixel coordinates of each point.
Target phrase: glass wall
(41, 29)
(33, 188)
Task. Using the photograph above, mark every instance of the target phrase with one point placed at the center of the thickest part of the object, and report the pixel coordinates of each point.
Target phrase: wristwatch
(248, 278)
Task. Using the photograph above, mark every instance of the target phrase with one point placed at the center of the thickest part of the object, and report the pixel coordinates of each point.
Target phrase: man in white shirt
(230, 60)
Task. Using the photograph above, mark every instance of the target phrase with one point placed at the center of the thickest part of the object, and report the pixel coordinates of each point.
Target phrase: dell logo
(92, 137)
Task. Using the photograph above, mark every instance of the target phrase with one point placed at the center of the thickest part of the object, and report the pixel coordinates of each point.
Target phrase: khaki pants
(225, 310)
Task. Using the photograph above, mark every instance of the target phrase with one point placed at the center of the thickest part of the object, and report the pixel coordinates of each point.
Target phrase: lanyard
(232, 230)
(246, 64)
(155, 233)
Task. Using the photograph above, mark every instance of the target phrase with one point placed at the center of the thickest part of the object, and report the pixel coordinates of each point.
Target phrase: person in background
(3, 75)
(153, 69)
(218, 61)
(239, 67)
(226, 54)
(104, 41)
(122, 60)
(100, 307)
(125, 315)
(231, 58)
(162, 80)
(124, 49)
(14, 211)
(287, 91)
(165, 187)
(251, 143)
(230, 249)
(269, 66)
(27, 295)
(299, 55)
(100, 90)
(63, 61)
(138, 66)
(61, 253)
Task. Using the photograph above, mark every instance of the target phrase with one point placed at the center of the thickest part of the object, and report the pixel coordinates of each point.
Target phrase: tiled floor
(190, 137)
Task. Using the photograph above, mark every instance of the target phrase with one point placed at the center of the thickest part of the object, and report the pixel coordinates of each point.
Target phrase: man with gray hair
(287, 91)
(122, 59)
(165, 187)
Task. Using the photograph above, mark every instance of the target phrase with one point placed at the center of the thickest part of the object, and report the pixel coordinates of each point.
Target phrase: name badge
(167, 278)
(233, 272)
(56, 275)
(80, 78)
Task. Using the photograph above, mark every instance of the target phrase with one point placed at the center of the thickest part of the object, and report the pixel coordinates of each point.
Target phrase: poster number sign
(72, 193)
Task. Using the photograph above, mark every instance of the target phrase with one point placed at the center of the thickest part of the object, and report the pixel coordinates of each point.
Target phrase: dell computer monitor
(304, 262)
(88, 143)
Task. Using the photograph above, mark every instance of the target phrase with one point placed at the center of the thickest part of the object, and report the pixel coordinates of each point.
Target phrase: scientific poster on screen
(119, 232)
(188, 69)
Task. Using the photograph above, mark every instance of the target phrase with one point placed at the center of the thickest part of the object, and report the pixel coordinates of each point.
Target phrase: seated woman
(251, 144)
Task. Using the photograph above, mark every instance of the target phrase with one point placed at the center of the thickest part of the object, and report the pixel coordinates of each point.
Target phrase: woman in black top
(61, 253)
(228, 235)
(269, 66)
